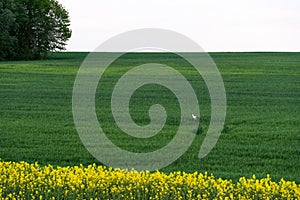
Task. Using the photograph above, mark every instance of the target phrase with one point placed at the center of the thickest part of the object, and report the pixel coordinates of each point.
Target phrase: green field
(261, 134)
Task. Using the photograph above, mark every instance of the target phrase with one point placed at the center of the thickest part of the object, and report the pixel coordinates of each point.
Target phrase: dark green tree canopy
(30, 29)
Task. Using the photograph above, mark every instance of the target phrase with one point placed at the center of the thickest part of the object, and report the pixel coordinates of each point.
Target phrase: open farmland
(261, 134)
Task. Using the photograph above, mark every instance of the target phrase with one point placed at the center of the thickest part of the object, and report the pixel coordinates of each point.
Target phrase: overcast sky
(216, 25)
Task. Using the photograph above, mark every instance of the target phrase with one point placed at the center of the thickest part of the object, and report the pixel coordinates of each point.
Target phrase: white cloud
(231, 25)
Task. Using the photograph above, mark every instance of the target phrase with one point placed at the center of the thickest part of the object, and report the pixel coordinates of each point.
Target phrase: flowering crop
(32, 181)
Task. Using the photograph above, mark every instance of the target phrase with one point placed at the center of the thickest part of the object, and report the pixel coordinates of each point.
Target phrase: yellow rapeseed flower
(32, 181)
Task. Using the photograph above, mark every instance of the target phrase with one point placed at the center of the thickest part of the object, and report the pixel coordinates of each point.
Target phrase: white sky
(216, 25)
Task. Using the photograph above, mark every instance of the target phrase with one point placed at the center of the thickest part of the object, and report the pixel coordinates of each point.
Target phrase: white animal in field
(195, 117)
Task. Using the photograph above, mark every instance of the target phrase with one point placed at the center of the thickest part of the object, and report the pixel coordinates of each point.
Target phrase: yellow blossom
(21, 180)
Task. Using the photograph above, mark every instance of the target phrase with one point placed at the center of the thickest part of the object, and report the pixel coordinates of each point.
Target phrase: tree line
(30, 29)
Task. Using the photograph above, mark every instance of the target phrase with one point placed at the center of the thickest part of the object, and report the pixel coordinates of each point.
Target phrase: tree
(42, 27)
(8, 29)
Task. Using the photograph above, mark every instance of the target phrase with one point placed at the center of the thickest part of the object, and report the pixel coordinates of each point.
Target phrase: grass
(261, 134)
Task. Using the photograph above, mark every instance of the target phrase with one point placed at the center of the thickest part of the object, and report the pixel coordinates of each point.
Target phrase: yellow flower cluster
(32, 181)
